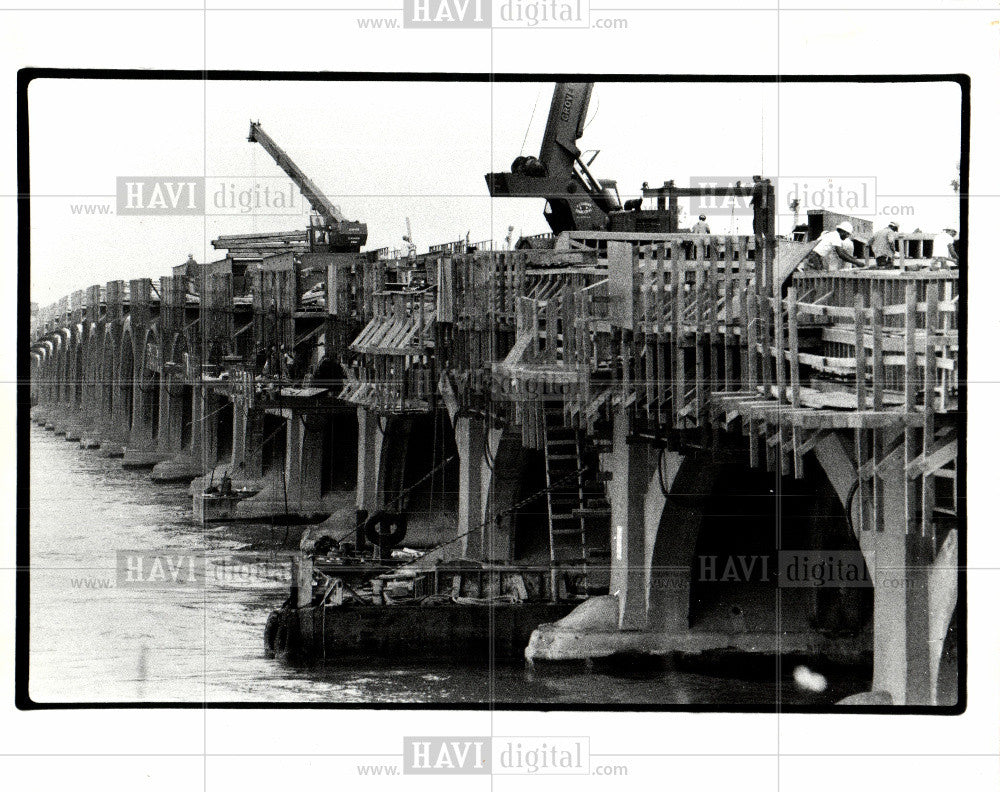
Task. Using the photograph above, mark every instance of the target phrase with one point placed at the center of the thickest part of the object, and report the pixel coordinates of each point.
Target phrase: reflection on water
(93, 641)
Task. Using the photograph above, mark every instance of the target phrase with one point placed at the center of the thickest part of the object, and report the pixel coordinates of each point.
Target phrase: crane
(577, 201)
(340, 234)
(411, 249)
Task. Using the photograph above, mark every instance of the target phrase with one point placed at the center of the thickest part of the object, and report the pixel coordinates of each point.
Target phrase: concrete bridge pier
(111, 420)
(646, 610)
(141, 356)
(293, 475)
(180, 417)
(370, 444)
(470, 438)
(231, 435)
(141, 450)
(180, 375)
(654, 555)
(116, 417)
(62, 404)
(915, 582)
(75, 420)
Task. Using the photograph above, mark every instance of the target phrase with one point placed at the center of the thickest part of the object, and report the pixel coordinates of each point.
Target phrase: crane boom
(577, 200)
(345, 234)
(316, 199)
(567, 114)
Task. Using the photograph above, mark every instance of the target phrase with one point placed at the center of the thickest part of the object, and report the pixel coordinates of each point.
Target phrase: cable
(532, 118)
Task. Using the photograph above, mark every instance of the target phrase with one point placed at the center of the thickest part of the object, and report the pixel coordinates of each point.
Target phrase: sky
(388, 151)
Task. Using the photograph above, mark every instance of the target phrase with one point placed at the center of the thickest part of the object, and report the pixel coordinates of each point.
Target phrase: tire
(271, 633)
(281, 641)
(386, 527)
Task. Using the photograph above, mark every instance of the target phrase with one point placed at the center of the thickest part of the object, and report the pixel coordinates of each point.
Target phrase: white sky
(385, 151)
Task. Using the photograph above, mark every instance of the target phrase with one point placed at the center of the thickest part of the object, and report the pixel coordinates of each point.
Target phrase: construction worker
(883, 245)
(833, 249)
(943, 252)
(701, 227)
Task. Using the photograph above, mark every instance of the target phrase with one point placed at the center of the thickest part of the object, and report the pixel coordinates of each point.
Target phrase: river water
(94, 637)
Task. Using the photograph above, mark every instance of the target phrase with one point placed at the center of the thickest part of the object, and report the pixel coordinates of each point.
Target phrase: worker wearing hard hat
(943, 251)
(883, 245)
(834, 250)
(701, 227)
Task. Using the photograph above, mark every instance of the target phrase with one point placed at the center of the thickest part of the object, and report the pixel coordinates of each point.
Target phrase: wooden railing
(854, 350)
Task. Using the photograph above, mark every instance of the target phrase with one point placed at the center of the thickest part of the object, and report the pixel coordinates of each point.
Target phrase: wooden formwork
(867, 352)
(652, 327)
(393, 366)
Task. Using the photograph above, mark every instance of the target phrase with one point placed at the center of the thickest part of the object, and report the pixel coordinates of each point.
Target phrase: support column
(304, 459)
(248, 432)
(899, 565)
(470, 438)
(294, 431)
(499, 493)
(168, 439)
(369, 458)
(630, 466)
(206, 437)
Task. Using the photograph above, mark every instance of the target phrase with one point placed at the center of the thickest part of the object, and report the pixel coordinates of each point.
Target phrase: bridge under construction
(619, 439)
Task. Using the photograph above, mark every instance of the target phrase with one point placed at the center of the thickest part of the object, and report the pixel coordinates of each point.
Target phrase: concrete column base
(76, 431)
(591, 632)
(136, 458)
(111, 449)
(183, 467)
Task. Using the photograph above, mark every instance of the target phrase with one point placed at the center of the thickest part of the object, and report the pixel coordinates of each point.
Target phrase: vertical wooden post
(751, 328)
(909, 404)
(677, 287)
(779, 373)
(878, 376)
(793, 374)
(930, 381)
(699, 347)
(663, 384)
(860, 367)
(727, 315)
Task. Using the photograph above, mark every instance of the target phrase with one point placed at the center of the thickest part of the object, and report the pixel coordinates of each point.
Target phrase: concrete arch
(177, 413)
(63, 375)
(147, 385)
(78, 364)
(92, 389)
(108, 393)
(714, 562)
(125, 381)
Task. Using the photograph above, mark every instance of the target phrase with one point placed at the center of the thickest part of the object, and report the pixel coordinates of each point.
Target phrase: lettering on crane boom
(567, 106)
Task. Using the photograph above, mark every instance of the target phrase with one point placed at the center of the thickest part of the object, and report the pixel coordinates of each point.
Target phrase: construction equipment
(330, 230)
(577, 201)
(411, 249)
